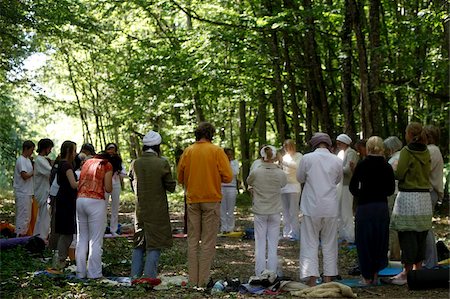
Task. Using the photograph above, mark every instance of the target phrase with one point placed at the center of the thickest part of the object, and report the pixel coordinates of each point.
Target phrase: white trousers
(317, 231)
(267, 231)
(115, 203)
(346, 223)
(90, 231)
(227, 209)
(42, 226)
(23, 213)
(291, 211)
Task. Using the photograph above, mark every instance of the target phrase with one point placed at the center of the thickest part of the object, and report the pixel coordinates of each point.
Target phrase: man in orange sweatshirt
(201, 170)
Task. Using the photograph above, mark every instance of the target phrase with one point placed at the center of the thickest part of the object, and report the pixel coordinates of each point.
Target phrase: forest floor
(234, 259)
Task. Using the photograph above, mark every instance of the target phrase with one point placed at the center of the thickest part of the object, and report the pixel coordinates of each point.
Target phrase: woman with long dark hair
(65, 204)
(118, 174)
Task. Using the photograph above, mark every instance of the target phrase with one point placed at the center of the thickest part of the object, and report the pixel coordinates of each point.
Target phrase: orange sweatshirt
(201, 170)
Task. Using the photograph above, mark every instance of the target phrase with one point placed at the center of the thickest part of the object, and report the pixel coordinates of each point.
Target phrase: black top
(373, 180)
(65, 201)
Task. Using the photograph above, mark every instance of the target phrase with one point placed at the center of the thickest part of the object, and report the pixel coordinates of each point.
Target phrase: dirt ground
(234, 259)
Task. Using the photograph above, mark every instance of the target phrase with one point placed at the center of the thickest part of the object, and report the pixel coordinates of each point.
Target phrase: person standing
(392, 146)
(321, 172)
(372, 182)
(437, 192)
(229, 193)
(24, 188)
(152, 178)
(42, 170)
(65, 204)
(290, 194)
(412, 214)
(349, 160)
(118, 174)
(201, 170)
(267, 181)
(95, 180)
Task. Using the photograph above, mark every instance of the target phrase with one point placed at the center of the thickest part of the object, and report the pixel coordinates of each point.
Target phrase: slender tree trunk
(84, 122)
(347, 86)
(316, 69)
(278, 101)
(292, 88)
(376, 95)
(245, 153)
(358, 22)
(262, 118)
(198, 107)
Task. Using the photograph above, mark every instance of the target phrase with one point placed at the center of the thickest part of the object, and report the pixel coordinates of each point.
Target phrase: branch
(411, 83)
(195, 16)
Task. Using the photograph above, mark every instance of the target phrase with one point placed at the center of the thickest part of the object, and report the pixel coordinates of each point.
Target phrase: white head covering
(263, 153)
(344, 139)
(152, 138)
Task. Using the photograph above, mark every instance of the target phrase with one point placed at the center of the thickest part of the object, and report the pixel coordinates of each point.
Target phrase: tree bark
(376, 95)
(262, 121)
(346, 64)
(316, 70)
(245, 152)
(358, 21)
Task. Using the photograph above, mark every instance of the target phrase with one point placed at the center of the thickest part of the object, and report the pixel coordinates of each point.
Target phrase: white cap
(152, 138)
(344, 139)
(263, 153)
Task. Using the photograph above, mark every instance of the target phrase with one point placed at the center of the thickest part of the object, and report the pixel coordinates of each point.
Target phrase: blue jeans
(151, 262)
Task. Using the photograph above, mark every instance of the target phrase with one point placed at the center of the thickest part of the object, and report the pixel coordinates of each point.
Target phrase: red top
(91, 184)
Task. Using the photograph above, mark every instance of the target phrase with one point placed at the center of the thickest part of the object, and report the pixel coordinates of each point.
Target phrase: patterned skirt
(412, 212)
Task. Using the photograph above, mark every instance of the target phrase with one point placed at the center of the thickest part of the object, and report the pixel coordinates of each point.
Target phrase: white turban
(344, 139)
(152, 138)
(263, 153)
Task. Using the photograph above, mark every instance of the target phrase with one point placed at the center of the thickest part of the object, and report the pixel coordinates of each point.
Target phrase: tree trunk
(86, 133)
(316, 70)
(358, 21)
(376, 95)
(262, 118)
(292, 89)
(347, 86)
(245, 153)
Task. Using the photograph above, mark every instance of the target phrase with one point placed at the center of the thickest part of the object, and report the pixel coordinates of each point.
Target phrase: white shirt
(21, 186)
(321, 171)
(437, 170)
(235, 169)
(42, 169)
(117, 175)
(267, 181)
(290, 164)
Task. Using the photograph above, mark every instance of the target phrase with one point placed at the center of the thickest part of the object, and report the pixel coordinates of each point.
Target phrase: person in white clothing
(42, 170)
(437, 193)
(24, 188)
(267, 181)
(349, 160)
(229, 193)
(290, 194)
(321, 172)
(119, 173)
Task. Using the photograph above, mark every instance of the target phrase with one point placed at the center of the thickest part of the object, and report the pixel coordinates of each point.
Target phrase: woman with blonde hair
(412, 213)
(372, 182)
